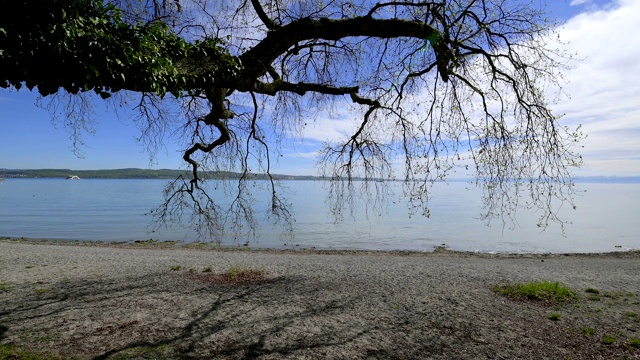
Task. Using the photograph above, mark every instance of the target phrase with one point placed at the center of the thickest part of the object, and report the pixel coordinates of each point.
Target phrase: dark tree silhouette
(441, 87)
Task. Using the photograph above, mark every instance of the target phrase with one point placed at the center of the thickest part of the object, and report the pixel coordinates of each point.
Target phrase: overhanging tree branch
(276, 43)
(301, 88)
(445, 86)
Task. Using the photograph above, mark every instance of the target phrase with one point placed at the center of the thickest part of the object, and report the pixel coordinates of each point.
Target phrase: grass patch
(587, 331)
(634, 343)
(11, 352)
(45, 338)
(239, 272)
(592, 291)
(553, 317)
(196, 245)
(176, 268)
(235, 275)
(553, 292)
(207, 269)
(614, 294)
(168, 243)
(609, 339)
(4, 287)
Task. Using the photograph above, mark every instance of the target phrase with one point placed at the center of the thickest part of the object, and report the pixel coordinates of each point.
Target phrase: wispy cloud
(579, 2)
(332, 127)
(604, 87)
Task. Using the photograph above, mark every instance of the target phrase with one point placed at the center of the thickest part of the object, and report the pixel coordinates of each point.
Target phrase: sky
(604, 89)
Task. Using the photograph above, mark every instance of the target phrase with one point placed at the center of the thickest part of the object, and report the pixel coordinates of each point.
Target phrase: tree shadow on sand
(178, 315)
(3, 329)
(172, 315)
(226, 327)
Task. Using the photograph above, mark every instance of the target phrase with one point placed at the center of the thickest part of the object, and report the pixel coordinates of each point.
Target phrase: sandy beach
(133, 302)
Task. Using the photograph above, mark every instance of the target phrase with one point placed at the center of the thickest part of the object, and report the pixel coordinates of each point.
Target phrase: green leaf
(434, 38)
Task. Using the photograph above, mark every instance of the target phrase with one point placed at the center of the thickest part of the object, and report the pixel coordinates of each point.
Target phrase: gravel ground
(128, 302)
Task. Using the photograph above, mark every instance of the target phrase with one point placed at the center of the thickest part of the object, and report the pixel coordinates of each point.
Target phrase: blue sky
(604, 90)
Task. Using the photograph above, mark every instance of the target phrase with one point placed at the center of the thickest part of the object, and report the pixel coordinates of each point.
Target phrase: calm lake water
(607, 218)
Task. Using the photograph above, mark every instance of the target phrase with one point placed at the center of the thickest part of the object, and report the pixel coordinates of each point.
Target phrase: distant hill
(92, 174)
(609, 179)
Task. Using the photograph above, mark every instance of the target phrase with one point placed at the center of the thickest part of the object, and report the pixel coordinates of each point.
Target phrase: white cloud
(605, 87)
(332, 127)
(579, 2)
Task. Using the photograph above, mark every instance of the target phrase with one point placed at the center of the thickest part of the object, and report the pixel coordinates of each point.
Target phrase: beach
(155, 302)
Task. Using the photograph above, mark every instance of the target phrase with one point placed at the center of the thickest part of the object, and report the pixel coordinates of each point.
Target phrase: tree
(441, 86)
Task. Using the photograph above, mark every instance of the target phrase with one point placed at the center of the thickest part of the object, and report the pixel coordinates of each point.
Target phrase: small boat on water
(1, 179)
(73, 177)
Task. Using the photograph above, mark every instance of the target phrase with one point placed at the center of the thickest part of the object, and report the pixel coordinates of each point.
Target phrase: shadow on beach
(174, 316)
(311, 306)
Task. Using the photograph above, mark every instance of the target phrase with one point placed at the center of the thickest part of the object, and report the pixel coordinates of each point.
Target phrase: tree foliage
(80, 45)
(441, 87)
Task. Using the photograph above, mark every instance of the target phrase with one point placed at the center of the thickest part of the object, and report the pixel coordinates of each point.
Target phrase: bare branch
(270, 24)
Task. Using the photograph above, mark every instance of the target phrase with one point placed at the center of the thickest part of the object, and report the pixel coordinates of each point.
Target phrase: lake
(606, 219)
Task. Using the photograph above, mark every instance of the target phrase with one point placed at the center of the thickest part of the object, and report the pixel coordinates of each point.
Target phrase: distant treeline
(137, 174)
(93, 174)
(219, 175)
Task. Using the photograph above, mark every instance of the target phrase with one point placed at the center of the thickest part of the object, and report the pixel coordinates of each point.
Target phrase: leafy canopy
(84, 45)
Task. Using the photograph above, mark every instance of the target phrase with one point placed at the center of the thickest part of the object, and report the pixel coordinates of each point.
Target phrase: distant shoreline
(135, 173)
(439, 251)
(169, 174)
